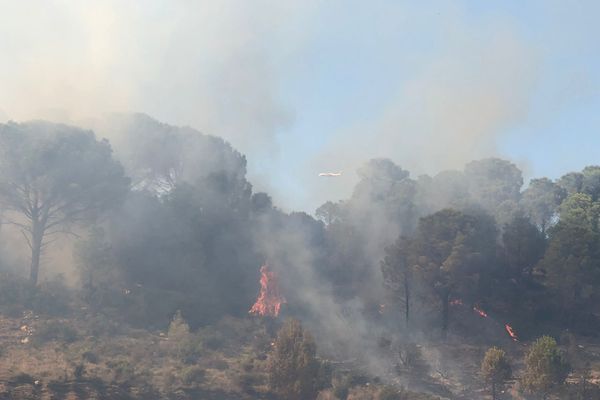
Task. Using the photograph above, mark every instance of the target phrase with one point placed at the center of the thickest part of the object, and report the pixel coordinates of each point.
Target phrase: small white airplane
(330, 174)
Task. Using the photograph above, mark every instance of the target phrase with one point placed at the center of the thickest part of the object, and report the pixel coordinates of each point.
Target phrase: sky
(303, 87)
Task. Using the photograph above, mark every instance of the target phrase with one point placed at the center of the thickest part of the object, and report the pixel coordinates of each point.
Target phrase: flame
(480, 311)
(483, 314)
(511, 332)
(269, 299)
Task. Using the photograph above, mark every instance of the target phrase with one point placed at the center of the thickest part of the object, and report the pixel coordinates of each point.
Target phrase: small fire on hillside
(509, 329)
(269, 301)
(511, 332)
(480, 312)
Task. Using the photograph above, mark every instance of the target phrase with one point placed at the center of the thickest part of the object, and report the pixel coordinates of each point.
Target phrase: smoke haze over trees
(166, 224)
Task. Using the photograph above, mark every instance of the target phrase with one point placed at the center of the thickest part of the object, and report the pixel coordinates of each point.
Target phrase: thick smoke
(214, 66)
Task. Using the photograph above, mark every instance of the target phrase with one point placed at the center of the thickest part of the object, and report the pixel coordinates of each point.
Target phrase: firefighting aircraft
(330, 174)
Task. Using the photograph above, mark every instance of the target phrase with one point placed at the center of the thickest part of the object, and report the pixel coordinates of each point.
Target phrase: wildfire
(509, 329)
(269, 299)
(480, 312)
(511, 332)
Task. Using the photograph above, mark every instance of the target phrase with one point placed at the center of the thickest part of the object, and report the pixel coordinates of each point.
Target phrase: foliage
(53, 176)
(293, 367)
(572, 259)
(398, 273)
(450, 248)
(541, 200)
(545, 367)
(495, 368)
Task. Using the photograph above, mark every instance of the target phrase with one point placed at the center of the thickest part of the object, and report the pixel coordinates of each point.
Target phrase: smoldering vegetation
(400, 288)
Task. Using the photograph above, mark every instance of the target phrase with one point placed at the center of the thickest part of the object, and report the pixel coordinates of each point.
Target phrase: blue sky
(354, 72)
(306, 86)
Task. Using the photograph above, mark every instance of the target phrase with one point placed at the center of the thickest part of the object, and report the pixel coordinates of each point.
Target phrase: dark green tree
(545, 367)
(541, 200)
(524, 246)
(398, 269)
(293, 366)
(495, 368)
(53, 176)
(452, 251)
(493, 181)
(571, 261)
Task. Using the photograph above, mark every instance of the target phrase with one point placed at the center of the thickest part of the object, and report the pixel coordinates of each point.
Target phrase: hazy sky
(307, 86)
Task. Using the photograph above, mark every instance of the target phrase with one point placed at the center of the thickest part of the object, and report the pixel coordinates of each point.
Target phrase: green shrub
(293, 367)
(181, 343)
(495, 368)
(545, 367)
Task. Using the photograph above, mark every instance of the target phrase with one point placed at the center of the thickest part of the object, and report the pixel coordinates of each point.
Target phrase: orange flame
(511, 332)
(480, 312)
(269, 299)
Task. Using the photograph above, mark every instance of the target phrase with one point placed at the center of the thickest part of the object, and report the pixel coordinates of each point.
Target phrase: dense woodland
(168, 236)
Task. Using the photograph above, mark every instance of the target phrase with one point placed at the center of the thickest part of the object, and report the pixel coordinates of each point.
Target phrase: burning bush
(269, 301)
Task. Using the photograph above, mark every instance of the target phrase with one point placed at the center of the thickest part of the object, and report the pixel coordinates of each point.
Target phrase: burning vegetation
(269, 301)
(453, 274)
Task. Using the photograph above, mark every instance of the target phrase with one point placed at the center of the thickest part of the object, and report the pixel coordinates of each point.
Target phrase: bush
(182, 344)
(495, 368)
(545, 367)
(293, 367)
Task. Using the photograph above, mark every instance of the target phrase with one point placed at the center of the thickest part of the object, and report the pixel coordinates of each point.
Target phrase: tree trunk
(37, 237)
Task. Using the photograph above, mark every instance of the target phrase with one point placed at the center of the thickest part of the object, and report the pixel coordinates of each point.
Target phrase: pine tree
(293, 366)
(545, 367)
(495, 368)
